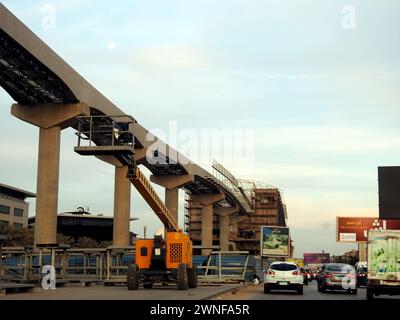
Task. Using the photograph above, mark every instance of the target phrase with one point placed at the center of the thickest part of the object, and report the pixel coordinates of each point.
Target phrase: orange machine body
(178, 247)
(144, 248)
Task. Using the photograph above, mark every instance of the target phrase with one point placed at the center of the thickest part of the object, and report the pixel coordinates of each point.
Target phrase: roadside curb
(228, 290)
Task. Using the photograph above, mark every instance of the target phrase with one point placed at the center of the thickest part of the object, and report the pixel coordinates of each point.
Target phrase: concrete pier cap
(51, 119)
(226, 211)
(50, 114)
(172, 184)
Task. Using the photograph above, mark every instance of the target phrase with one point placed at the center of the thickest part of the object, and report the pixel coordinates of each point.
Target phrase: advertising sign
(275, 241)
(384, 254)
(355, 229)
(316, 258)
(298, 261)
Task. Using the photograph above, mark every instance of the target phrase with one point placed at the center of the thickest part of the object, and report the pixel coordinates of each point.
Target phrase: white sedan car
(283, 276)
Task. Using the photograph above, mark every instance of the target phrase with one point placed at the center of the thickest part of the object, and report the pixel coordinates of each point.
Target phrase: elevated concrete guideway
(37, 78)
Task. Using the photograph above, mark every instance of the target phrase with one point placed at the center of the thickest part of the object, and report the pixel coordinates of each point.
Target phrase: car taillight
(328, 275)
(270, 272)
(297, 273)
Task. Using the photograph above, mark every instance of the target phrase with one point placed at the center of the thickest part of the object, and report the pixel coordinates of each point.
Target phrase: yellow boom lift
(161, 260)
(156, 260)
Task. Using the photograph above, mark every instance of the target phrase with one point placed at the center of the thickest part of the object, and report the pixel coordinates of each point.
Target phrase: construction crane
(158, 260)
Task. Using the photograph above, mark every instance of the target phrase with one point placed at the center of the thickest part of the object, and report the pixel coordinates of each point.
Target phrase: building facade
(14, 210)
(268, 210)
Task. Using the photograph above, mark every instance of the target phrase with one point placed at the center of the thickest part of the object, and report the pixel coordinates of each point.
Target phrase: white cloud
(169, 56)
(276, 75)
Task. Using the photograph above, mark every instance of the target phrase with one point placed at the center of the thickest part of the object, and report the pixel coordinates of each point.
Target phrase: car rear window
(283, 267)
(362, 269)
(338, 267)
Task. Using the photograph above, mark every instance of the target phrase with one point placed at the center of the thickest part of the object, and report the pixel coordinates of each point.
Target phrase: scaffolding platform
(104, 150)
(100, 135)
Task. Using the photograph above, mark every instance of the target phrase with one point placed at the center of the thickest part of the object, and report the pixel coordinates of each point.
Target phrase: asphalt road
(101, 292)
(310, 293)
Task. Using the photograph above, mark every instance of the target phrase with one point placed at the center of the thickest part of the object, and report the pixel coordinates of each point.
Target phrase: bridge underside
(33, 75)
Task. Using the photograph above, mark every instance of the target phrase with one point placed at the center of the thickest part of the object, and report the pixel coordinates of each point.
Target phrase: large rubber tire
(300, 290)
(182, 277)
(266, 289)
(370, 294)
(192, 278)
(323, 288)
(353, 291)
(132, 277)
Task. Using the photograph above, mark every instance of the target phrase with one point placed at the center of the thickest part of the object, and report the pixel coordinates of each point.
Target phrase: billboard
(275, 241)
(355, 229)
(389, 189)
(316, 258)
(298, 261)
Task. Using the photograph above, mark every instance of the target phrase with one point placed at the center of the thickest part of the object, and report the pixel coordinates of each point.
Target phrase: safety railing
(71, 265)
(109, 131)
(224, 266)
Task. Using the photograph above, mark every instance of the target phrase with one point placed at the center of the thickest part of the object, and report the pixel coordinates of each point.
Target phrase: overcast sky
(317, 81)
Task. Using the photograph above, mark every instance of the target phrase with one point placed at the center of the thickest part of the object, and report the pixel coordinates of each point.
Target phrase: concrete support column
(225, 214)
(172, 201)
(122, 207)
(224, 231)
(47, 186)
(51, 119)
(234, 226)
(207, 201)
(206, 229)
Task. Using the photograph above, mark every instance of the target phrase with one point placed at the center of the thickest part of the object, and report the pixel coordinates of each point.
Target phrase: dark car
(308, 273)
(337, 276)
(362, 273)
(305, 275)
(314, 274)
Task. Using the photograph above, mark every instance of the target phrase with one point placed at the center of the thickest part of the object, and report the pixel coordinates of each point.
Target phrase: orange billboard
(355, 229)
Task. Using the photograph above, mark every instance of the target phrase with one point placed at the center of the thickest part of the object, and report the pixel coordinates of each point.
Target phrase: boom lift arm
(143, 185)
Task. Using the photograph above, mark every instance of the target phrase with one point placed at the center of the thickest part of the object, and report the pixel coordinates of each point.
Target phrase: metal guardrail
(218, 271)
(117, 261)
(25, 264)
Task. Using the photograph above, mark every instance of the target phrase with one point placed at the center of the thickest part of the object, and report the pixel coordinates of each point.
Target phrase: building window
(18, 225)
(3, 224)
(18, 212)
(4, 209)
